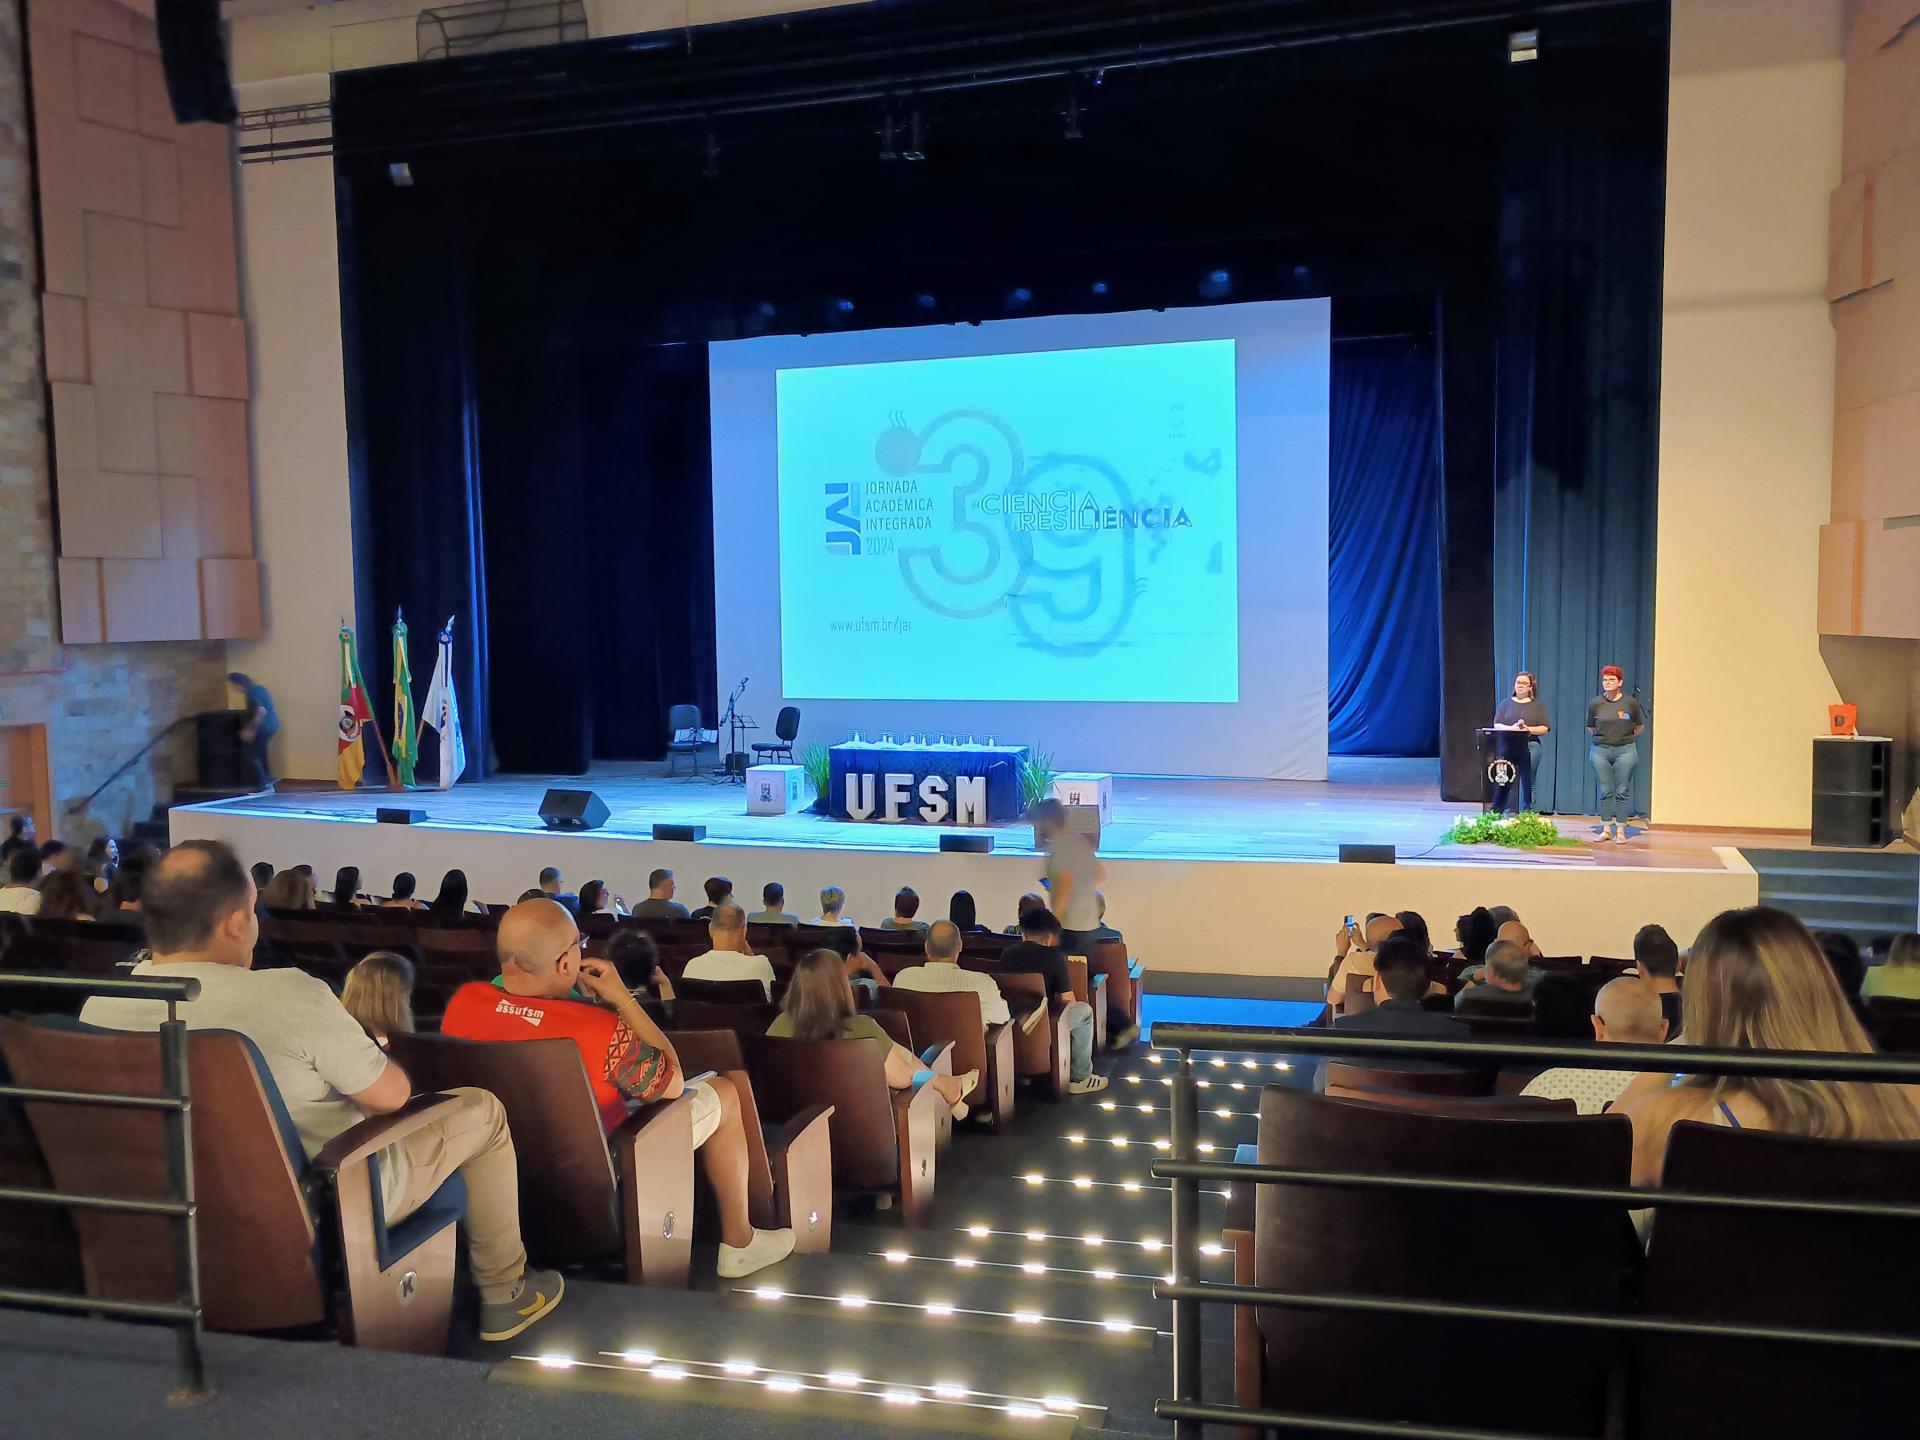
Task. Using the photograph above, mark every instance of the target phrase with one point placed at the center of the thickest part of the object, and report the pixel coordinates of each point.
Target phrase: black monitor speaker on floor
(217, 751)
(399, 815)
(679, 832)
(969, 844)
(572, 810)
(1366, 855)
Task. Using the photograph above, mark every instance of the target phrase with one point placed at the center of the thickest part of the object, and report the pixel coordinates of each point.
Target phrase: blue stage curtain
(1575, 478)
(1383, 580)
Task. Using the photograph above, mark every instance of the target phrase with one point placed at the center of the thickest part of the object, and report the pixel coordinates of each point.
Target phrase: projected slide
(1052, 526)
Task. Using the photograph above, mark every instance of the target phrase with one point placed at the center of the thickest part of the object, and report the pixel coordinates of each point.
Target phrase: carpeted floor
(1029, 1250)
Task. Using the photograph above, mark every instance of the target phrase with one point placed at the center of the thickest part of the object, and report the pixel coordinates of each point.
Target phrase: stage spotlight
(1019, 297)
(401, 174)
(1217, 284)
(916, 140)
(1523, 46)
(1099, 287)
(764, 310)
(925, 301)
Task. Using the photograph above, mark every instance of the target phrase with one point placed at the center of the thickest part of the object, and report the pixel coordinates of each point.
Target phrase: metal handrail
(179, 1207)
(1186, 1408)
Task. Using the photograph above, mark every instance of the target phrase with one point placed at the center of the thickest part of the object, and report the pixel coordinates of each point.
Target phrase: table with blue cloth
(999, 763)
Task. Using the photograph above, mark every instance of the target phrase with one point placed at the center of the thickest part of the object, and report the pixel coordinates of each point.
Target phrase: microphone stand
(732, 724)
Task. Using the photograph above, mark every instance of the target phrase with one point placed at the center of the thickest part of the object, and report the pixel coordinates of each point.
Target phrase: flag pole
(373, 719)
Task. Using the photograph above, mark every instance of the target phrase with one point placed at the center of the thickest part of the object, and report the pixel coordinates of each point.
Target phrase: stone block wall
(99, 703)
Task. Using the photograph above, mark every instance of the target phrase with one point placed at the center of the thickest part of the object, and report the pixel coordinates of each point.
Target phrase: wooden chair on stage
(585, 1196)
(789, 1170)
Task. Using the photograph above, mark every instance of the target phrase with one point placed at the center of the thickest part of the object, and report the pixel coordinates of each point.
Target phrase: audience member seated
(1028, 901)
(906, 905)
(20, 832)
(719, 892)
(773, 911)
(1473, 933)
(1038, 952)
(943, 972)
(1756, 980)
(660, 904)
(1657, 959)
(1514, 932)
(103, 862)
(963, 914)
(346, 887)
(262, 873)
(555, 889)
(1898, 976)
(379, 994)
(636, 959)
(56, 856)
(21, 893)
(453, 901)
(289, 890)
(199, 910)
(1844, 958)
(542, 990)
(1501, 915)
(861, 970)
(597, 899)
(1400, 979)
(1505, 979)
(66, 895)
(1625, 1012)
(819, 1006)
(729, 959)
(1353, 955)
(123, 899)
(401, 898)
(1414, 924)
(833, 905)
(1104, 931)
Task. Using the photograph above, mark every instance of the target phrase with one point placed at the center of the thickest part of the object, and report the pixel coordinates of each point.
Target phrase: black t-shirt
(1614, 721)
(1520, 712)
(1023, 957)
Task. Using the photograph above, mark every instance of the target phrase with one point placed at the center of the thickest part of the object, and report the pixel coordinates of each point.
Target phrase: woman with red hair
(1615, 720)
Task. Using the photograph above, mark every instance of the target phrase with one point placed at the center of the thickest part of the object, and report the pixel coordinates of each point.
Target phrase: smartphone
(1349, 922)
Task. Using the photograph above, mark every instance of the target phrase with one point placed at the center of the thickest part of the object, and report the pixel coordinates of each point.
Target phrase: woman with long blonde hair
(379, 994)
(289, 890)
(1757, 981)
(819, 1006)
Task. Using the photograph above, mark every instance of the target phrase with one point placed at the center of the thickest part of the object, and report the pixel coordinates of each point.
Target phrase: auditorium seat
(790, 1169)
(38, 1247)
(721, 992)
(584, 1195)
(260, 1266)
(1839, 1272)
(1040, 1053)
(1343, 1078)
(884, 1140)
(1894, 1024)
(1123, 995)
(747, 1021)
(953, 1017)
(1530, 1251)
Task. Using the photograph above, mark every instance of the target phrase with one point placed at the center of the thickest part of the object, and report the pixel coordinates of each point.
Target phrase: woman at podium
(1522, 710)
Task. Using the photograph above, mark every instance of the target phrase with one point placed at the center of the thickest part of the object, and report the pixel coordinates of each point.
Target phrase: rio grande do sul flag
(354, 714)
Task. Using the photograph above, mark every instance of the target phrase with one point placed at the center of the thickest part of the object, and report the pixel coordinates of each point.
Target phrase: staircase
(1862, 893)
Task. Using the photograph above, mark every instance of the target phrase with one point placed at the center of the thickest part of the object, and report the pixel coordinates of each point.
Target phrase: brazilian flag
(406, 740)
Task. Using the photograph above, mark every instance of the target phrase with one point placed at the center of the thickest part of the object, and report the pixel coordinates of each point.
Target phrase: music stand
(733, 764)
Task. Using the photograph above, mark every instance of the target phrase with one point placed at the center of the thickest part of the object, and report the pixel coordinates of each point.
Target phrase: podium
(1503, 760)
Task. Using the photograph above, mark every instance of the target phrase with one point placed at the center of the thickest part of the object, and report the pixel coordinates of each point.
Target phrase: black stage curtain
(414, 452)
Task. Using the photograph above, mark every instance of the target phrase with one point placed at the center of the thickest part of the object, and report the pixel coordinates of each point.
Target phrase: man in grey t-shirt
(1073, 877)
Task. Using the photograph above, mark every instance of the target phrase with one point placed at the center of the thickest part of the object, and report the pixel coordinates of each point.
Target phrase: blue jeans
(1614, 765)
(1080, 1029)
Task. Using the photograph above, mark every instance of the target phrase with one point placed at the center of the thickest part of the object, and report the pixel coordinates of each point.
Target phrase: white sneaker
(1092, 1085)
(768, 1247)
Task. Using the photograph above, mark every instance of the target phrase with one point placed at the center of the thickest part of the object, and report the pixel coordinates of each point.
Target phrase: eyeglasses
(572, 945)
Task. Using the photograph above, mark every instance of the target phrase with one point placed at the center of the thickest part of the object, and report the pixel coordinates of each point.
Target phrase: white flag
(442, 712)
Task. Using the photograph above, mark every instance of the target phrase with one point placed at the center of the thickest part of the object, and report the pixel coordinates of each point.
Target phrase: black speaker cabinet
(1366, 855)
(399, 815)
(194, 59)
(679, 832)
(1852, 793)
(217, 750)
(572, 810)
(970, 844)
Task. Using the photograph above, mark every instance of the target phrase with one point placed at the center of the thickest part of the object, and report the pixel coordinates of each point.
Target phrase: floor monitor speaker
(399, 815)
(679, 832)
(970, 844)
(572, 810)
(1366, 855)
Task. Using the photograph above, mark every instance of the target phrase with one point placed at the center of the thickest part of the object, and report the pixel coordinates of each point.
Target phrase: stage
(1236, 877)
